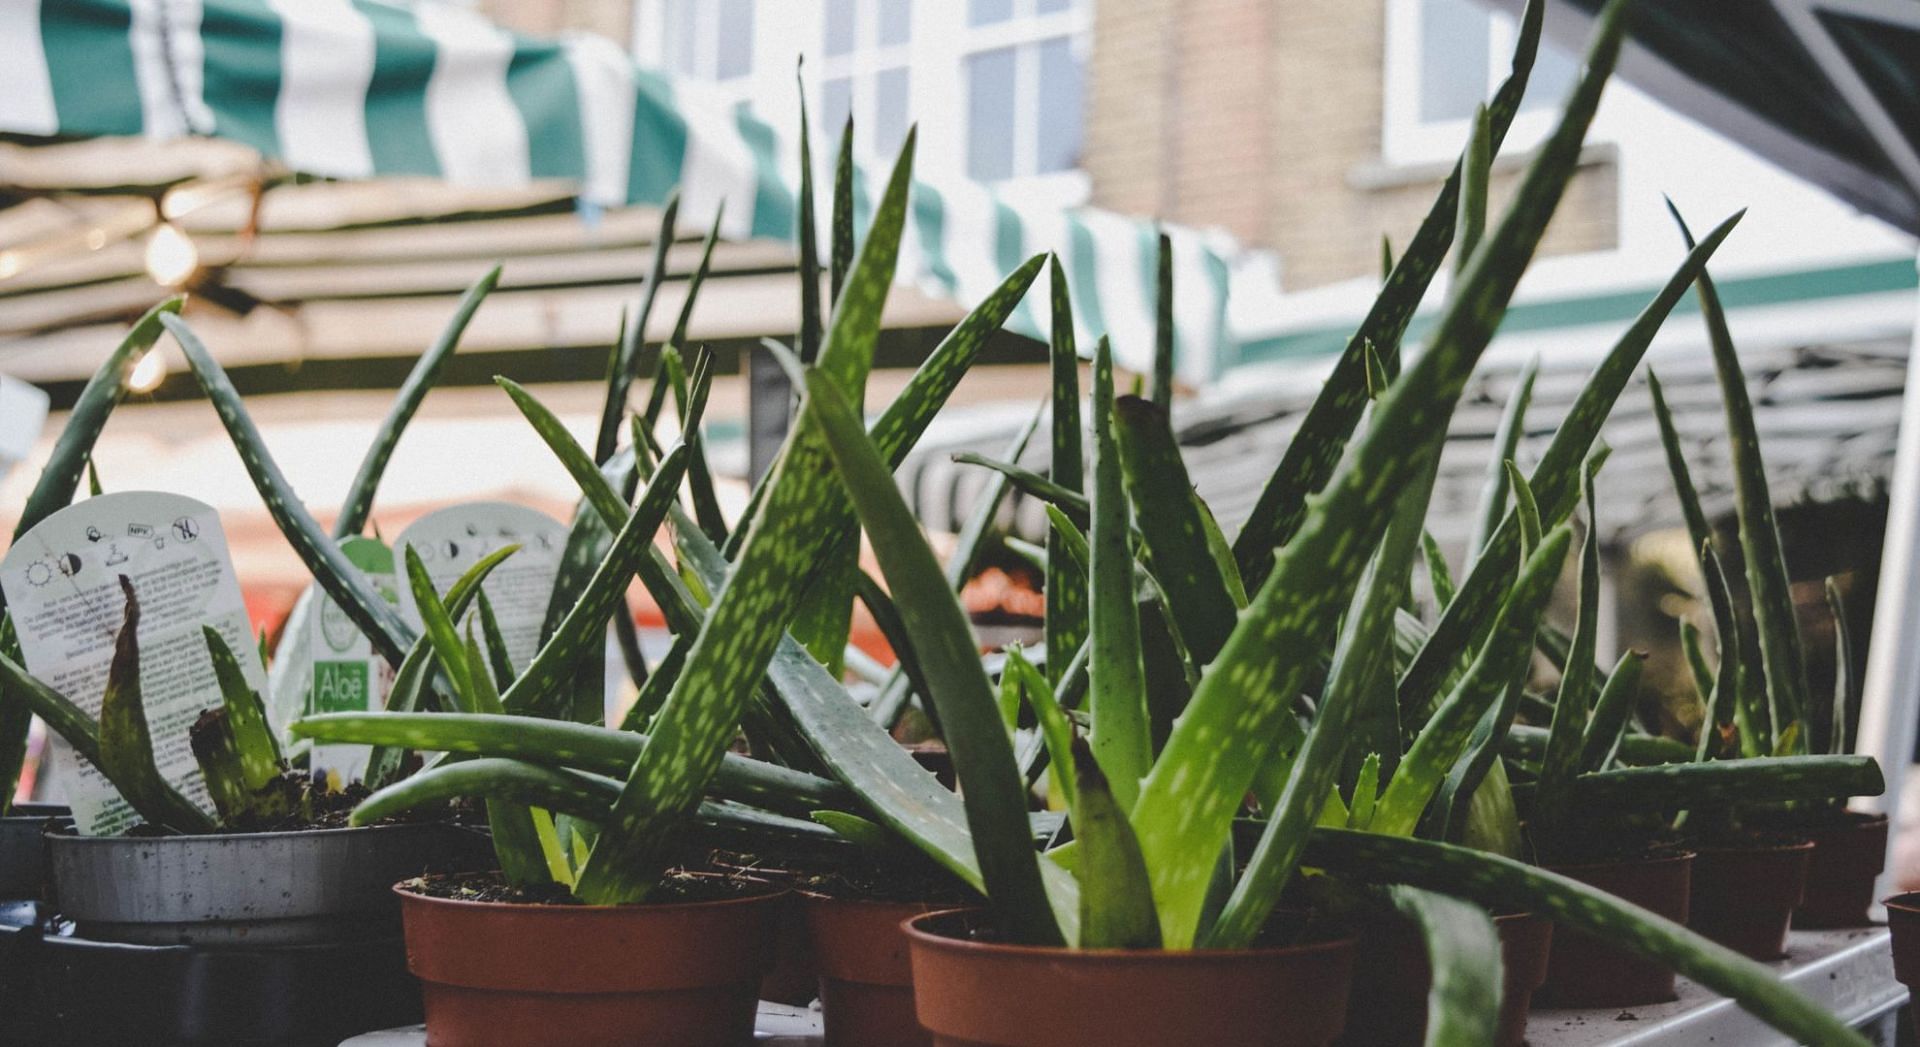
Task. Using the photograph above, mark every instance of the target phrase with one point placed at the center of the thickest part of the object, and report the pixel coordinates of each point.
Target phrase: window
(708, 39)
(1444, 58)
(1024, 67)
(865, 72)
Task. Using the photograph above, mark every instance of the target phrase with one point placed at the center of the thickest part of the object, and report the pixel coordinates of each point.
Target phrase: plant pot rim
(772, 892)
(1665, 859)
(1763, 848)
(921, 936)
(924, 904)
(1905, 901)
(75, 839)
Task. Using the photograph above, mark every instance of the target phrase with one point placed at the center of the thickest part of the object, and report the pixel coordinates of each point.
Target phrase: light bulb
(171, 256)
(148, 373)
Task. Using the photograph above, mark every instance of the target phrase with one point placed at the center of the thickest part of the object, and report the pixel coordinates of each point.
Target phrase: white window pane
(890, 98)
(839, 39)
(836, 102)
(1048, 7)
(736, 39)
(896, 22)
(990, 114)
(987, 12)
(682, 32)
(1059, 123)
(1552, 79)
(1453, 59)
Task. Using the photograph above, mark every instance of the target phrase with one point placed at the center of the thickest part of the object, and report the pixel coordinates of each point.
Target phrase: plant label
(62, 585)
(451, 540)
(325, 664)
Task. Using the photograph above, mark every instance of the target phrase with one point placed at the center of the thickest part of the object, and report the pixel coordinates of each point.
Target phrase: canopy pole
(1890, 697)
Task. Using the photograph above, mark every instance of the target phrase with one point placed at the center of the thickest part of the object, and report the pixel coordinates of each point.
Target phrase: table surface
(1849, 972)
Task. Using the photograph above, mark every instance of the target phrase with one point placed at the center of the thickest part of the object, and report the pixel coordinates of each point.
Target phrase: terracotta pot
(1744, 897)
(1393, 1010)
(1584, 971)
(682, 974)
(980, 994)
(1847, 859)
(1903, 919)
(866, 980)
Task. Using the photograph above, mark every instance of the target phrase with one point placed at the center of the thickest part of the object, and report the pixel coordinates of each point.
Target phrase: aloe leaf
(358, 503)
(254, 742)
(1475, 166)
(694, 282)
(66, 719)
(1525, 742)
(1846, 690)
(1174, 526)
(1766, 562)
(1315, 450)
(1445, 737)
(1356, 703)
(1703, 680)
(1077, 506)
(1526, 510)
(1163, 329)
(729, 656)
(811, 324)
(583, 629)
(581, 746)
(1116, 898)
(663, 381)
(500, 781)
(1055, 729)
(626, 364)
(1118, 696)
(1748, 705)
(1506, 444)
(1555, 483)
(1570, 708)
(982, 753)
(1366, 793)
(1065, 583)
(73, 449)
(1760, 780)
(391, 636)
(1610, 714)
(1464, 958)
(840, 259)
(126, 744)
(1494, 881)
(1187, 802)
(416, 672)
(1438, 576)
(497, 660)
(975, 532)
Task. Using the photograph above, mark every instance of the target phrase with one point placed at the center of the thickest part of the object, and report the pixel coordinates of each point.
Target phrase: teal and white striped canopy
(362, 88)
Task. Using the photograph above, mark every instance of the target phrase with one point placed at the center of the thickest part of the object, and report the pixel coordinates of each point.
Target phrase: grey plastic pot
(23, 853)
(308, 886)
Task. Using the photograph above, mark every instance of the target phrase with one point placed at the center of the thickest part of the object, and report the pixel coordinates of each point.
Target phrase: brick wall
(612, 19)
(1266, 121)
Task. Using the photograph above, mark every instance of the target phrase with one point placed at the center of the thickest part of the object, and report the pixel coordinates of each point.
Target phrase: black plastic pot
(23, 853)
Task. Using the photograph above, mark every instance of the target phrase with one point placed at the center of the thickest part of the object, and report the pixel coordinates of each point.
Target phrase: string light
(148, 373)
(172, 258)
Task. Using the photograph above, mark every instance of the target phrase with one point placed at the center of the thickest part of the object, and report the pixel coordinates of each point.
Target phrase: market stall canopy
(1828, 89)
(366, 89)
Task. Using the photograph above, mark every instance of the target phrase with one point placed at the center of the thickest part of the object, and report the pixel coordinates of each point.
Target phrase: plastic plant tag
(344, 674)
(453, 539)
(63, 590)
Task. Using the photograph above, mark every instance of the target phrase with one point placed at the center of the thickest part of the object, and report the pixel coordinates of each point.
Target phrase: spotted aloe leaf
(1501, 882)
(126, 743)
(726, 661)
(1174, 524)
(1571, 712)
(1464, 958)
(358, 504)
(1116, 899)
(633, 335)
(1314, 452)
(1066, 583)
(66, 719)
(1759, 780)
(1161, 391)
(1118, 695)
(982, 753)
(1445, 738)
(1766, 562)
(807, 233)
(1609, 721)
(1846, 689)
(1506, 442)
(1187, 802)
(1555, 484)
(373, 616)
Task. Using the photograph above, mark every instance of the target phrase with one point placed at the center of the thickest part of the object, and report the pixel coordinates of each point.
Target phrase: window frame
(1024, 32)
(1406, 139)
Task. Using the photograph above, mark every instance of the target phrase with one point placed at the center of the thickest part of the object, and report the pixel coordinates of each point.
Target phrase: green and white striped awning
(361, 88)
